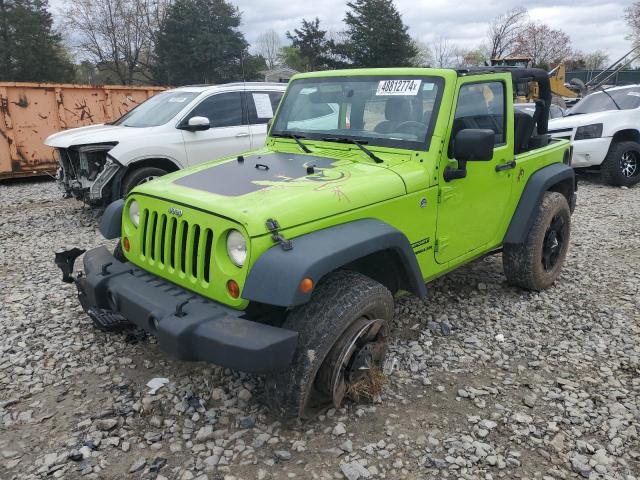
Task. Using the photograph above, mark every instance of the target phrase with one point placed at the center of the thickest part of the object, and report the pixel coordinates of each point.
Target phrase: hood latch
(273, 227)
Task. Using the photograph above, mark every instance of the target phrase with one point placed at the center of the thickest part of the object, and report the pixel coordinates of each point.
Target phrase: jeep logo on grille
(175, 211)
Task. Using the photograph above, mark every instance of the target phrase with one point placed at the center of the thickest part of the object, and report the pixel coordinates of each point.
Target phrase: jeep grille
(176, 244)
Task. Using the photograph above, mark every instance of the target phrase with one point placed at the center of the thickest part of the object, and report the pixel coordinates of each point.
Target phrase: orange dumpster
(30, 112)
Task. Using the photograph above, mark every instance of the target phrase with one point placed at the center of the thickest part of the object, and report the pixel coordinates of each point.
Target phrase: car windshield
(620, 98)
(158, 110)
(374, 110)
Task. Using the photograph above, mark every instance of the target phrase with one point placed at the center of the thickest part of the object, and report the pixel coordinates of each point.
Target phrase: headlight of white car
(589, 131)
(236, 247)
(134, 213)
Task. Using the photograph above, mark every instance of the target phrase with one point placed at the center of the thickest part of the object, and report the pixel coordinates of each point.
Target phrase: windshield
(625, 98)
(158, 110)
(374, 110)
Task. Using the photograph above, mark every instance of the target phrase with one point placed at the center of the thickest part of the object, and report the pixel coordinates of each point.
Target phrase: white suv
(170, 131)
(604, 128)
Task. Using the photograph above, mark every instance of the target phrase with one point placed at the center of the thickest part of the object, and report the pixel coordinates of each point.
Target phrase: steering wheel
(411, 127)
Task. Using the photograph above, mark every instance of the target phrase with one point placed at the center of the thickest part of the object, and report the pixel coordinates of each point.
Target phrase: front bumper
(587, 153)
(198, 330)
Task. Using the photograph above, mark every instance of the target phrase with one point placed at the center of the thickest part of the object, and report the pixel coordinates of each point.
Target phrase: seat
(522, 131)
(396, 111)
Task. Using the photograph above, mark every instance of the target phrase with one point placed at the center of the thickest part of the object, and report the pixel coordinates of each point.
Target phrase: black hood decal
(236, 178)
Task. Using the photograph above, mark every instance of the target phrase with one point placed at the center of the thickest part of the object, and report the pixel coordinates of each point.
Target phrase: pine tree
(199, 42)
(311, 44)
(30, 50)
(375, 36)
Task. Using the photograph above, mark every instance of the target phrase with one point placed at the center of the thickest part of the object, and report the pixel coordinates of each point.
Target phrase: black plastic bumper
(200, 330)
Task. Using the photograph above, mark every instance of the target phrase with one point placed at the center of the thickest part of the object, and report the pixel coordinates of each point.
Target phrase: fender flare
(557, 174)
(276, 274)
(111, 221)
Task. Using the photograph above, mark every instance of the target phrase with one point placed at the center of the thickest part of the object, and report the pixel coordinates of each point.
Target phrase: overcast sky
(591, 24)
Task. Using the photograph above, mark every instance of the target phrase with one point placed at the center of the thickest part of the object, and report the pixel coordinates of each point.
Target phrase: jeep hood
(92, 134)
(290, 188)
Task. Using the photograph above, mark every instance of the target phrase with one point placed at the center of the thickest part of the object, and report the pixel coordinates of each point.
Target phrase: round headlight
(134, 213)
(236, 247)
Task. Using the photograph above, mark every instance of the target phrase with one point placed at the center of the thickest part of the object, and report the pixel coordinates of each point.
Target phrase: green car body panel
(447, 223)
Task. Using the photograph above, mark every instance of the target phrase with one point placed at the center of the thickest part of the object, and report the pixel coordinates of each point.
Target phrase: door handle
(506, 166)
(241, 135)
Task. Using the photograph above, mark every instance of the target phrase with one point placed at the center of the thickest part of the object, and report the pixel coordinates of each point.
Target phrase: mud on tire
(339, 300)
(537, 263)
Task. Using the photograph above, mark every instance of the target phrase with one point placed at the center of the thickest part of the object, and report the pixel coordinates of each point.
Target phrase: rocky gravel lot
(487, 381)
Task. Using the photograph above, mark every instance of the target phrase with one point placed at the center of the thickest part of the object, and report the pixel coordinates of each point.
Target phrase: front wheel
(141, 175)
(621, 167)
(537, 263)
(342, 342)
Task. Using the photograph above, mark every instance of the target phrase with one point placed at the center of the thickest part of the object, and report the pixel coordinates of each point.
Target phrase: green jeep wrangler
(285, 261)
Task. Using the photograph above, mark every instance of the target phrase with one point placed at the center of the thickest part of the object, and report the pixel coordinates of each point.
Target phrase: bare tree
(116, 35)
(544, 45)
(443, 52)
(596, 60)
(632, 17)
(268, 45)
(504, 30)
(423, 58)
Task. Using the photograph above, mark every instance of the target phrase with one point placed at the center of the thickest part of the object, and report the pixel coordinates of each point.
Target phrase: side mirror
(470, 145)
(197, 124)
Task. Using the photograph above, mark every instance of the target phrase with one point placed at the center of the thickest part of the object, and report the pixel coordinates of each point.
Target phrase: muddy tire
(537, 263)
(621, 166)
(141, 175)
(340, 303)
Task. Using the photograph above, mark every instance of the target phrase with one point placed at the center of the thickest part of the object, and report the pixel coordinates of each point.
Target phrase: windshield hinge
(273, 227)
(439, 199)
(436, 246)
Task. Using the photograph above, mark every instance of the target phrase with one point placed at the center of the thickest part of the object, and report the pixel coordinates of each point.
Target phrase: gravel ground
(489, 381)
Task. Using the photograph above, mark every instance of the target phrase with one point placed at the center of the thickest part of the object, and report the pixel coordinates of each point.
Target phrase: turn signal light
(233, 288)
(306, 285)
(125, 244)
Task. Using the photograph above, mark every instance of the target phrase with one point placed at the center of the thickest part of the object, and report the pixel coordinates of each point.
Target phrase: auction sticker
(398, 87)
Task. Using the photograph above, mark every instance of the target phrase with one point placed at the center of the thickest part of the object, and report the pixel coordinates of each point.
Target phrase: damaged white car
(604, 128)
(170, 131)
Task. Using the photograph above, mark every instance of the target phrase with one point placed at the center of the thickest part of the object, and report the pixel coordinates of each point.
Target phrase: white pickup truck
(170, 131)
(604, 128)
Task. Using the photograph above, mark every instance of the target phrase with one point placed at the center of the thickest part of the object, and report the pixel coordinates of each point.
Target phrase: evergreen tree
(30, 50)
(199, 42)
(311, 44)
(375, 36)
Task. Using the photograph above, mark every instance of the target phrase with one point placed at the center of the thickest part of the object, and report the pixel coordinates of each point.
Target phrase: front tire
(621, 166)
(342, 331)
(138, 176)
(536, 264)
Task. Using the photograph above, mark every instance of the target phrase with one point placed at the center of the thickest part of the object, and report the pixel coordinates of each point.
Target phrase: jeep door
(472, 209)
(261, 106)
(229, 133)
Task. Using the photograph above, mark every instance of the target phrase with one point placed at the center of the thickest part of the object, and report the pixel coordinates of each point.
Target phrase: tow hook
(65, 260)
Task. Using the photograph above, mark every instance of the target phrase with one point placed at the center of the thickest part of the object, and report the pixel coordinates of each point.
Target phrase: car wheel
(139, 176)
(621, 167)
(537, 263)
(342, 342)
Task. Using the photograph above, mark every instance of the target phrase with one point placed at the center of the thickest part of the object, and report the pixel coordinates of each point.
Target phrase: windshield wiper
(360, 145)
(295, 137)
(609, 95)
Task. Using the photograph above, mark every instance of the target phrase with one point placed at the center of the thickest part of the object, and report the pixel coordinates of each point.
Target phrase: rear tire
(140, 175)
(537, 263)
(621, 166)
(341, 302)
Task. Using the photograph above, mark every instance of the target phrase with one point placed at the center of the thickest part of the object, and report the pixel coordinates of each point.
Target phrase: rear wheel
(537, 263)
(140, 175)
(342, 342)
(621, 167)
